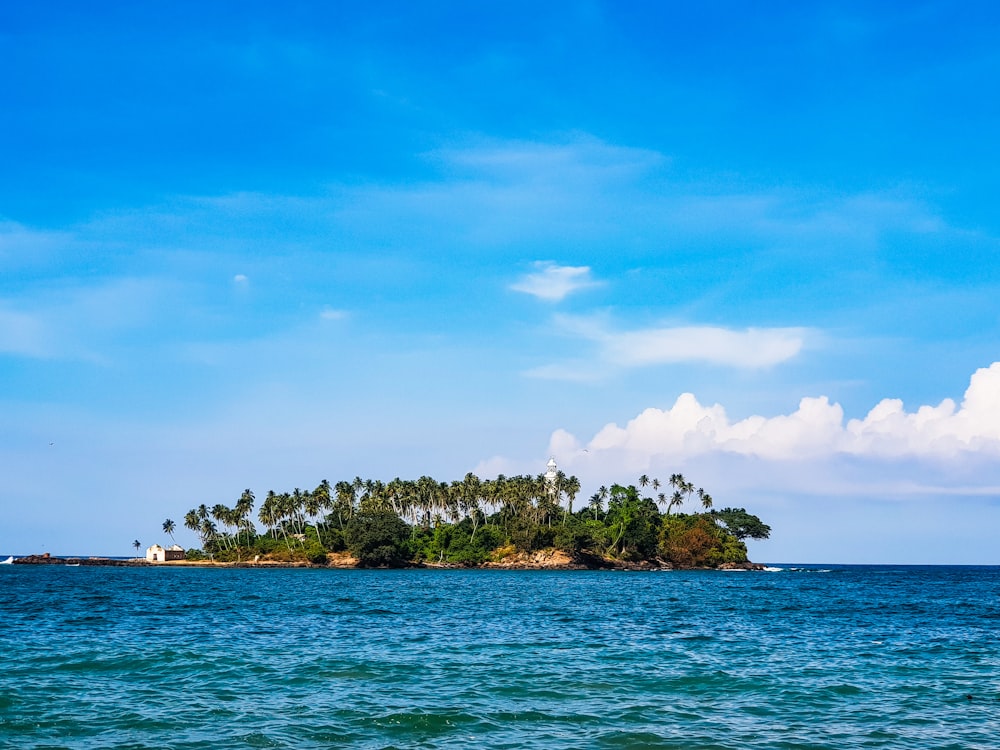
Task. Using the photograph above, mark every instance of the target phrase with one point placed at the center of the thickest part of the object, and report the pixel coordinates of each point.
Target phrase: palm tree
(168, 528)
(223, 515)
(706, 499)
(643, 481)
(345, 498)
(602, 496)
(241, 514)
(688, 489)
(137, 544)
(571, 487)
(470, 490)
(324, 502)
(268, 513)
(682, 488)
(313, 504)
(209, 535)
(191, 521)
(595, 504)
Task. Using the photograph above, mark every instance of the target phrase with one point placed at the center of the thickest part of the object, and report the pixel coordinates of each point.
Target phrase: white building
(156, 553)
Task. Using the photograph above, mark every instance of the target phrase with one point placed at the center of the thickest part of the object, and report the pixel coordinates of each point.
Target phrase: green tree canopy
(633, 523)
(377, 537)
(741, 524)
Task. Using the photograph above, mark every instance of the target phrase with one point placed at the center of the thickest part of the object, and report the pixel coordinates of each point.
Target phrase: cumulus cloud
(815, 430)
(553, 283)
(240, 278)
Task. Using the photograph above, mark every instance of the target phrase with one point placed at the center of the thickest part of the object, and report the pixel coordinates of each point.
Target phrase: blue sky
(258, 245)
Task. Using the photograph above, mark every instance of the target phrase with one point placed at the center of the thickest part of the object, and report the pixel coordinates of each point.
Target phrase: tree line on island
(473, 521)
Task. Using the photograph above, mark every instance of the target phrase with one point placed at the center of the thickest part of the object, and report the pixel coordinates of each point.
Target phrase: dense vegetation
(472, 521)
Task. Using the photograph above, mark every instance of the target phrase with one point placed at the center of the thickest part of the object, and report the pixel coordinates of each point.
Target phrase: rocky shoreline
(47, 559)
(542, 560)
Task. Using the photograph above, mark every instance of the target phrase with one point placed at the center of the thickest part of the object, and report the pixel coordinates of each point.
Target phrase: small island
(521, 522)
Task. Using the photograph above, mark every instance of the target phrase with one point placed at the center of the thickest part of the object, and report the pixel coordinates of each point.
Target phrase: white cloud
(750, 348)
(240, 279)
(815, 430)
(553, 283)
(329, 313)
(896, 485)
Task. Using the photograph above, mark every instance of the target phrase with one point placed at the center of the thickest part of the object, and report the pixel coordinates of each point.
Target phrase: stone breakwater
(47, 559)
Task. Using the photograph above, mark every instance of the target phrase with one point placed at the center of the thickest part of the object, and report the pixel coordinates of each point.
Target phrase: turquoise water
(840, 657)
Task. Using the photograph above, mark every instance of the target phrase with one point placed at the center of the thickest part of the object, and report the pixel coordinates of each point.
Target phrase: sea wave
(120, 657)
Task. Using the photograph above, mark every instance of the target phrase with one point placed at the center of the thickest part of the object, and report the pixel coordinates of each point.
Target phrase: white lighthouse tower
(551, 473)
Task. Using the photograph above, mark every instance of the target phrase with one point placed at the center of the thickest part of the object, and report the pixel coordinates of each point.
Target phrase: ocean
(802, 657)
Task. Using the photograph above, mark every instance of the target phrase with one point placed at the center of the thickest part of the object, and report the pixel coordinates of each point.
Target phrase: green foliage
(741, 524)
(378, 538)
(286, 554)
(457, 544)
(694, 541)
(266, 545)
(576, 535)
(332, 538)
(489, 517)
(528, 536)
(195, 554)
(314, 552)
(633, 523)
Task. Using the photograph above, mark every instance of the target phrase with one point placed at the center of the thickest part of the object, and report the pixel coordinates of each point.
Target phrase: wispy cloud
(581, 159)
(748, 348)
(23, 334)
(619, 349)
(85, 323)
(329, 313)
(553, 283)
(22, 247)
(511, 194)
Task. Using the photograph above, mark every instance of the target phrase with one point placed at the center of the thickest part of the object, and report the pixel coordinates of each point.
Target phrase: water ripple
(141, 658)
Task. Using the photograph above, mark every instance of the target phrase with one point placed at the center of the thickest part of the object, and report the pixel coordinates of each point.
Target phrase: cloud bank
(815, 430)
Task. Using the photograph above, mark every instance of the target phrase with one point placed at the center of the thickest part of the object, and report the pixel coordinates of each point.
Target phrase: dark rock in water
(47, 559)
(741, 566)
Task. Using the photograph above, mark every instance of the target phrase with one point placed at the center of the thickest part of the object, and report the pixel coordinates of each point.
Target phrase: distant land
(518, 522)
